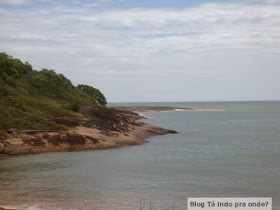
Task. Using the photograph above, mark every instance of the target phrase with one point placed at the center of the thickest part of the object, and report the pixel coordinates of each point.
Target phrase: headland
(99, 128)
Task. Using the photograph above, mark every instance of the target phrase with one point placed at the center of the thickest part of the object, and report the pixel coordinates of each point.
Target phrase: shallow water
(225, 149)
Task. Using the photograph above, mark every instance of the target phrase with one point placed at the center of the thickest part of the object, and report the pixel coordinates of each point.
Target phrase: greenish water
(224, 149)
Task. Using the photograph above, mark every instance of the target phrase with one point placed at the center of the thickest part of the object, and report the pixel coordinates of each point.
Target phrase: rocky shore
(99, 128)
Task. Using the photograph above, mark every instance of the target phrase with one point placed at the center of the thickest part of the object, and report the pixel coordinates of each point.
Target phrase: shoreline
(100, 128)
(151, 108)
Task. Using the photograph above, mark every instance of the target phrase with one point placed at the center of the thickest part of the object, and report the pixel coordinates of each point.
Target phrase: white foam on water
(143, 115)
(35, 207)
(182, 110)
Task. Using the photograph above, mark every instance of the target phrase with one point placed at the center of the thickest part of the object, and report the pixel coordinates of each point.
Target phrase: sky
(151, 50)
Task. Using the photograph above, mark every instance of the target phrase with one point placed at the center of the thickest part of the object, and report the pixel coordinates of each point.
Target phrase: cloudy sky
(151, 50)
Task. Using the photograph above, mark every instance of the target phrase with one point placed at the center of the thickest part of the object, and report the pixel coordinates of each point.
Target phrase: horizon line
(276, 100)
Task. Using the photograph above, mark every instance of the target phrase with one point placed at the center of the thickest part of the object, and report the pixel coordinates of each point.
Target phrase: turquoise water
(224, 149)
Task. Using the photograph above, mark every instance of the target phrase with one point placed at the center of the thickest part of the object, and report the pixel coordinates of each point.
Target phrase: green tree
(95, 94)
(29, 99)
(11, 68)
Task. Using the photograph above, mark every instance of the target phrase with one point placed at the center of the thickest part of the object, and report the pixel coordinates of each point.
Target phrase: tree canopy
(29, 98)
(95, 94)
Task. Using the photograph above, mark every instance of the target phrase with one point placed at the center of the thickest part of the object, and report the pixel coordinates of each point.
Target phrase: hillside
(44, 112)
(29, 99)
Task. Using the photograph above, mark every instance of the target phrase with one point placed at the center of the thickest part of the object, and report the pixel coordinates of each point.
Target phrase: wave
(182, 110)
(143, 115)
(24, 206)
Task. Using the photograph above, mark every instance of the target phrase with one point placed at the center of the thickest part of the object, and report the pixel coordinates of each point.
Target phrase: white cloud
(266, 1)
(13, 2)
(185, 48)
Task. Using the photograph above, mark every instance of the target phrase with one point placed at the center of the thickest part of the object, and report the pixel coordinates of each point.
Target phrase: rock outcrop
(100, 128)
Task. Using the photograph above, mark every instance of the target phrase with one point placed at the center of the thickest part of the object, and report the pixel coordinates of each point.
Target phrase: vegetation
(95, 94)
(30, 98)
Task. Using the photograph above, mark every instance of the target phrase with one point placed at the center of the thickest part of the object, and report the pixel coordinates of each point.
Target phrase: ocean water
(223, 149)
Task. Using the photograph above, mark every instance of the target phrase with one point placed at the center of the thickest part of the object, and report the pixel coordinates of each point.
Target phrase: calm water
(225, 149)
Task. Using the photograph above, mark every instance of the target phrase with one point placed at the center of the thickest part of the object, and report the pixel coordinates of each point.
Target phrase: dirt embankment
(100, 128)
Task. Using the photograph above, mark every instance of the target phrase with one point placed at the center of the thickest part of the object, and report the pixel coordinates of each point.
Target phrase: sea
(223, 149)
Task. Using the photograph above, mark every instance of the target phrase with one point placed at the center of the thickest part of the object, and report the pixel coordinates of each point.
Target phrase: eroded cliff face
(100, 128)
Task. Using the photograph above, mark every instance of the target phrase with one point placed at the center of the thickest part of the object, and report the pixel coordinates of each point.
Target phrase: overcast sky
(151, 50)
